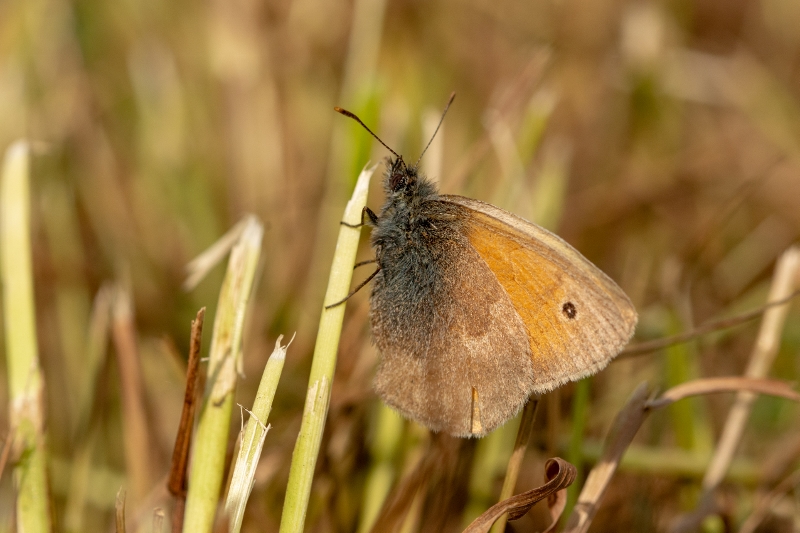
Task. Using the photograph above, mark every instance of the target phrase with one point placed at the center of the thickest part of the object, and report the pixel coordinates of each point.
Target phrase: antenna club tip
(346, 113)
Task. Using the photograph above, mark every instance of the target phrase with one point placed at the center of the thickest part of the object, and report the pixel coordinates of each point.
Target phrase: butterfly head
(399, 176)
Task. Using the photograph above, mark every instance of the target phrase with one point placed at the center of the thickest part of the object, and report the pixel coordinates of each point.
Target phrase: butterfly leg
(360, 286)
(373, 218)
(362, 263)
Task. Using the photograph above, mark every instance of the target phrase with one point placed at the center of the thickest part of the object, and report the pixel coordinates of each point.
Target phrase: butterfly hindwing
(455, 354)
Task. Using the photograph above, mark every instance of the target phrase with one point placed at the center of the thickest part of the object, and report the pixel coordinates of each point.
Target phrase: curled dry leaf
(559, 475)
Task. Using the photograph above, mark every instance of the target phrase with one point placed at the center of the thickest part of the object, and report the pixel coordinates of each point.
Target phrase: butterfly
(474, 309)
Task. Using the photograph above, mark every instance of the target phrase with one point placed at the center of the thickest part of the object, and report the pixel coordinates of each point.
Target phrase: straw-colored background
(660, 139)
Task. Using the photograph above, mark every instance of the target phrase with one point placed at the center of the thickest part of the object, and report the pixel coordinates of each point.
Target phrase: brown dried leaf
(180, 454)
(559, 475)
(556, 502)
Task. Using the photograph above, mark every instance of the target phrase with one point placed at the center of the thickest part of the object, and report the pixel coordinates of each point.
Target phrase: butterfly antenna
(347, 113)
(450, 101)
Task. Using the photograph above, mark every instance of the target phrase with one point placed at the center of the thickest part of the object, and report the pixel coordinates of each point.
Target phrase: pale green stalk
(208, 460)
(25, 381)
(383, 449)
(580, 415)
(677, 369)
(253, 438)
(306, 449)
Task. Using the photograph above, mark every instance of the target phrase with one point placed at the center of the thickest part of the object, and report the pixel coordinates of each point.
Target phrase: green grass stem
(678, 370)
(384, 449)
(25, 380)
(580, 414)
(253, 438)
(304, 457)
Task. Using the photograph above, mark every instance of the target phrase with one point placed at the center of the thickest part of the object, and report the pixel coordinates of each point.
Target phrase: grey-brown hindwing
(455, 354)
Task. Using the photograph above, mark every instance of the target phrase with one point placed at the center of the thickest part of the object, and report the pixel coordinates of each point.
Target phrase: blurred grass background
(662, 139)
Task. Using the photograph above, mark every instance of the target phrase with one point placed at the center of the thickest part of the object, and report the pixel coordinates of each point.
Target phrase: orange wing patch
(577, 318)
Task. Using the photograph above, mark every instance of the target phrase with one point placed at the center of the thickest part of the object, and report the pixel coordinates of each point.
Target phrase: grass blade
(253, 438)
(25, 380)
(306, 449)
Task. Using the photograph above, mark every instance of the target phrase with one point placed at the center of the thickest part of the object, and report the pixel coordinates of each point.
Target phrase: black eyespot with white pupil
(569, 310)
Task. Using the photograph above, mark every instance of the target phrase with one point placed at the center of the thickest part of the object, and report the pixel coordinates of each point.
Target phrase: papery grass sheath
(208, 459)
(252, 439)
(25, 380)
(306, 449)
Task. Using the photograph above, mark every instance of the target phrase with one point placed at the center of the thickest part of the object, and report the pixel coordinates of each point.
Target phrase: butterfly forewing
(577, 318)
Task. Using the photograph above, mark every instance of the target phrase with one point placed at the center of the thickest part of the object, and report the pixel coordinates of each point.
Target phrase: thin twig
(709, 327)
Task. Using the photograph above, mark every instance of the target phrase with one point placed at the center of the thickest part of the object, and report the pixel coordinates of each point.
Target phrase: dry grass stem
(119, 508)
(624, 428)
(768, 501)
(726, 384)
(641, 348)
(198, 268)
(180, 453)
(515, 461)
(137, 435)
(784, 284)
(783, 288)
(96, 353)
(177, 481)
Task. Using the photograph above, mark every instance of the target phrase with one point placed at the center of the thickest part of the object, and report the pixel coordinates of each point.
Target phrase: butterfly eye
(398, 181)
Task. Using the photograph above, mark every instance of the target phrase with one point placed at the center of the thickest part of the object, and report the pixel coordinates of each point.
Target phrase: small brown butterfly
(475, 309)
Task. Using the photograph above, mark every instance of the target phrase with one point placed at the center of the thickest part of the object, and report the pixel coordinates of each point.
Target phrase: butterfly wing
(454, 352)
(577, 319)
